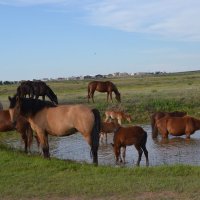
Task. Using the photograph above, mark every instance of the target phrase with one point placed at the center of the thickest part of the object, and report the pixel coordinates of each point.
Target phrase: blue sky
(62, 38)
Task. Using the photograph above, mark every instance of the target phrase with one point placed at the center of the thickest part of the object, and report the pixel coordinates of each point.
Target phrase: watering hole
(175, 150)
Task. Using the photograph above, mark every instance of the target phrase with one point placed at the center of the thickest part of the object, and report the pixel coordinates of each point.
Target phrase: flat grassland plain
(32, 177)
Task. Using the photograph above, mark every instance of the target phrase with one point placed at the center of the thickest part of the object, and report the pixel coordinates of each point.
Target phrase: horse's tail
(95, 135)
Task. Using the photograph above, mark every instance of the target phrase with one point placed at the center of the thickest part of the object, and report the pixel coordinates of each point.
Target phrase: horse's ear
(9, 98)
(112, 144)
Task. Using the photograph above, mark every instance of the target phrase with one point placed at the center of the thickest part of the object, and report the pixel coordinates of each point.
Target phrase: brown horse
(119, 115)
(34, 89)
(107, 127)
(158, 115)
(22, 126)
(177, 126)
(126, 136)
(103, 86)
(48, 119)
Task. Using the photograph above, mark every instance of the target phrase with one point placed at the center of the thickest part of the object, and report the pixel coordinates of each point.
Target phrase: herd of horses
(31, 116)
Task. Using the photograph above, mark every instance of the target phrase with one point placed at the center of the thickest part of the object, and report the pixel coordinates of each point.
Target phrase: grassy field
(32, 177)
(141, 95)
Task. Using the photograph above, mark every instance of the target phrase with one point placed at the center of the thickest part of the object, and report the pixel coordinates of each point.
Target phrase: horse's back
(61, 118)
(131, 134)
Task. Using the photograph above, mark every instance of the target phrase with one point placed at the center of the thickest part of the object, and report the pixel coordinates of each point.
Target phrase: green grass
(32, 177)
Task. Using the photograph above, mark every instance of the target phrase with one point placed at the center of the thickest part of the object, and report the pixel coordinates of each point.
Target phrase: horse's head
(118, 97)
(14, 108)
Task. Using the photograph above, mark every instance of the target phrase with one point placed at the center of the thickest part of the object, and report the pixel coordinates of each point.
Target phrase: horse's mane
(32, 106)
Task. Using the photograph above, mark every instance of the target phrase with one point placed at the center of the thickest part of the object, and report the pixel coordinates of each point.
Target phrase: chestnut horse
(22, 126)
(103, 86)
(48, 119)
(126, 136)
(177, 126)
(158, 115)
(119, 115)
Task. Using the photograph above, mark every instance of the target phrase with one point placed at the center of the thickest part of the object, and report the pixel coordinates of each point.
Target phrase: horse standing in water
(103, 86)
(126, 136)
(48, 119)
(22, 126)
(178, 126)
(158, 115)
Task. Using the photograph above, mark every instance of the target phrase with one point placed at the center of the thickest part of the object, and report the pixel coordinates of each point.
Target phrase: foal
(107, 127)
(132, 135)
(119, 115)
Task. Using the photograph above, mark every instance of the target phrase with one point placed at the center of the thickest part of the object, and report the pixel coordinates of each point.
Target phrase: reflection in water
(172, 151)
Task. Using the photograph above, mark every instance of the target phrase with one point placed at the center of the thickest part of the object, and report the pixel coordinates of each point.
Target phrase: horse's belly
(62, 132)
(177, 132)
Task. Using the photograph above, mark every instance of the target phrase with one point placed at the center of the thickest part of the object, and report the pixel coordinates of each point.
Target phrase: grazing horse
(103, 86)
(132, 135)
(158, 115)
(40, 88)
(25, 88)
(119, 115)
(22, 126)
(48, 119)
(177, 126)
(34, 89)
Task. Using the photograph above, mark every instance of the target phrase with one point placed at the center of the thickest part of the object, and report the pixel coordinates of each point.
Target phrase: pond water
(175, 150)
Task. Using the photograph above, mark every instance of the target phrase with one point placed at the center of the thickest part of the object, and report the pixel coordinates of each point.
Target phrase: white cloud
(167, 18)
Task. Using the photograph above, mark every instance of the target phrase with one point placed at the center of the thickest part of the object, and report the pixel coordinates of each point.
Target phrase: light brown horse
(119, 115)
(126, 136)
(177, 126)
(103, 86)
(22, 126)
(158, 115)
(48, 119)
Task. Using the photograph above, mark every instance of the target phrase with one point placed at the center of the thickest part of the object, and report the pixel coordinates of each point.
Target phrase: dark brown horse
(40, 88)
(22, 126)
(25, 88)
(158, 115)
(177, 126)
(48, 119)
(103, 86)
(35, 89)
(126, 136)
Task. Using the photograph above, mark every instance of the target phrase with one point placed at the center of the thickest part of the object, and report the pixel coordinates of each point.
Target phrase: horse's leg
(25, 139)
(122, 159)
(107, 96)
(43, 138)
(119, 121)
(43, 97)
(139, 149)
(92, 95)
(111, 97)
(146, 154)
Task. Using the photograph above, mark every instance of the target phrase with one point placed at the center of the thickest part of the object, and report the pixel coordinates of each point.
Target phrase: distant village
(87, 77)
